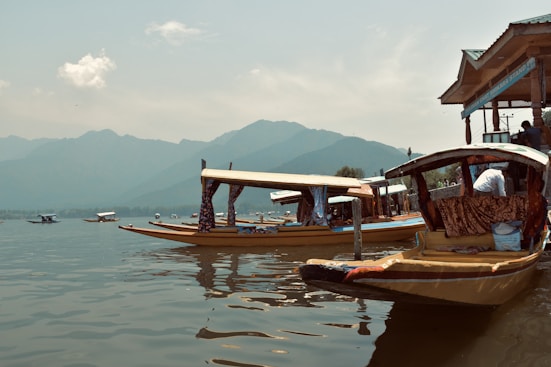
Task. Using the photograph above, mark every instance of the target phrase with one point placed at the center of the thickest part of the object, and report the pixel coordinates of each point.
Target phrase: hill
(103, 169)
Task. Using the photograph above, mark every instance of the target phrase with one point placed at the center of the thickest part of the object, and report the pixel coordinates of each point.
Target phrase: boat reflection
(428, 333)
(223, 271)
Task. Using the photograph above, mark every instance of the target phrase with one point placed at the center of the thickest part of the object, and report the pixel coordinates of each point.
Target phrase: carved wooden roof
(481, 70)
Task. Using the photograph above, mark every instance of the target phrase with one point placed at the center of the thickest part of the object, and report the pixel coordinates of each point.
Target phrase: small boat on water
(45, 219)
(474, 250)
(104, 217)
(312, 227)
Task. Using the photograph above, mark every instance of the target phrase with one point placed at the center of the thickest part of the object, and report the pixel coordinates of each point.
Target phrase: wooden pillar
(468, 136)
(357, 219)
(495, 115)
(536, 93)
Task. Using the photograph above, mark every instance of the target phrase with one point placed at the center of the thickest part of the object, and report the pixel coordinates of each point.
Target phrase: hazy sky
(173, 70)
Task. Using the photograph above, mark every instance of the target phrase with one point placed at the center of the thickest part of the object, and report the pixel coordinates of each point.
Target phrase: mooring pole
(357, 218)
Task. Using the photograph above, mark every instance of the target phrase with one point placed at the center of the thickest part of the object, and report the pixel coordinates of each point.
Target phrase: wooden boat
(459, 258)
(312, 229)
(45, 219)
(104, 217)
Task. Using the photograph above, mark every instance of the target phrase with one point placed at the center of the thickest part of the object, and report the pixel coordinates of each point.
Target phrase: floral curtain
(235, 191)
(206, 214)
(465, 215)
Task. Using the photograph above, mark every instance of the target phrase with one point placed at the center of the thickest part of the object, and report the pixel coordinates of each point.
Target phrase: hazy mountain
(14, 147)
(103, 169)
(92, 170)
(249, 149)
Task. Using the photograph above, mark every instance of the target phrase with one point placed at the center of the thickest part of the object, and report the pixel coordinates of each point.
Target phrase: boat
(461, 257)
(45, 219)
(104, 217)
(311, 229)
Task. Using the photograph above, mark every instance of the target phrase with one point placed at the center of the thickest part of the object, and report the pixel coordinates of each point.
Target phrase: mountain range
(101, 169)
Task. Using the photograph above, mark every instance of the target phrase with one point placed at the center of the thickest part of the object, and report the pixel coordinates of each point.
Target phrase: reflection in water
(205, 333)
(428, 335)
(262, 281)
(399, 330)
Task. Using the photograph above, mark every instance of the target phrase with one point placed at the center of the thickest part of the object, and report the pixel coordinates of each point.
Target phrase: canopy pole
(357, 218)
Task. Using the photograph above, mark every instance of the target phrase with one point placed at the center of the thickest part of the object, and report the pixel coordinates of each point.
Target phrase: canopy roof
(282, 181)
(474, 154)
(104, 214)
(497, 72)
(293, 196)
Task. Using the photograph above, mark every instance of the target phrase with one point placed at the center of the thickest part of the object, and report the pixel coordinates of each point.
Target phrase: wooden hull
(487, 278)
(286, 235)
(101, 221)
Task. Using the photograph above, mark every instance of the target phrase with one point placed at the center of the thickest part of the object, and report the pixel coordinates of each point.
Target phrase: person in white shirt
(490, 182)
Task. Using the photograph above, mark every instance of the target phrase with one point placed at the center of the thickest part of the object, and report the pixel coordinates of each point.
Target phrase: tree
(346, 171)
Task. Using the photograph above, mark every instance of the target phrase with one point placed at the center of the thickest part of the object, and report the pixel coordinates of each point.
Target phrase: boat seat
(432, 242)
(435, 239)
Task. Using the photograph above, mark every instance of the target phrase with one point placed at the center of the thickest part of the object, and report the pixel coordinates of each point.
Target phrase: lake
(78, 294)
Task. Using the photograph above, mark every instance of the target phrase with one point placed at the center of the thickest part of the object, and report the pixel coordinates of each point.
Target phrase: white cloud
(4, 84)
(89, 72)
(173, 32)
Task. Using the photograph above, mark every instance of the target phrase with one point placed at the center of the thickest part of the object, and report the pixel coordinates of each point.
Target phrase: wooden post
(357, 218)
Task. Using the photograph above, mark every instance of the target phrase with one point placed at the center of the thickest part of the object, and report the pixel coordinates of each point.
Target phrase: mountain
(14, 147)
(103, 169)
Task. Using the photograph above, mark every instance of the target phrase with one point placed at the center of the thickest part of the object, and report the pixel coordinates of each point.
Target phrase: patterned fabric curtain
(537, 205)
(235, 191)
(319, 216)
(206, 214)
(467, 215)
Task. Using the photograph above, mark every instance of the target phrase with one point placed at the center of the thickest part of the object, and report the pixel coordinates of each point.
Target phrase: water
(77, 294)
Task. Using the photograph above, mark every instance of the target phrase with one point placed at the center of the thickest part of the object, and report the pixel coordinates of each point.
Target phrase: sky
(173, 70)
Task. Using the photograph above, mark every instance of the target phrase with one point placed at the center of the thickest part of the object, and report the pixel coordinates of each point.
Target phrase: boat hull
(284, 235)
(490, 278)
(101, 221)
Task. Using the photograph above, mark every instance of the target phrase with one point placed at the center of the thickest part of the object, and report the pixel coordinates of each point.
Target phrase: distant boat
(104, 217)
(45, 219)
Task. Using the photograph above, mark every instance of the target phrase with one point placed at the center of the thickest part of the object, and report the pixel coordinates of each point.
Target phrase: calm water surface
(77, 294)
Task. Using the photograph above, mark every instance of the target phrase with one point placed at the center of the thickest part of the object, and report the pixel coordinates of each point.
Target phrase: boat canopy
(473, 154)
(292, 196)
(285, 196)
(289, 181)
(463, 214)
(105, 214)
(314, 189)
(392, 189)
(50, 215)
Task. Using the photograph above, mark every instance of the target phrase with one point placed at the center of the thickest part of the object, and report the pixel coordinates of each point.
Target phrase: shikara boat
(45, 219)
(312, 228)
(103, 217)
(459, 258)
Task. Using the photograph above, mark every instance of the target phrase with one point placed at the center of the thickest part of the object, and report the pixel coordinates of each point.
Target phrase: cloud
(89, 72)
(173, 32)
(4, 84)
